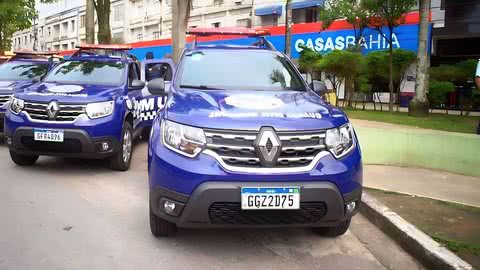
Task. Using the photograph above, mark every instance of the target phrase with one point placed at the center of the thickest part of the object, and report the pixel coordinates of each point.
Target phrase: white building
(140, 20)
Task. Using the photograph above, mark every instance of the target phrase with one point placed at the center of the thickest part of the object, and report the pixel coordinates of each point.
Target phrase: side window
(132, 74)
(159, 70)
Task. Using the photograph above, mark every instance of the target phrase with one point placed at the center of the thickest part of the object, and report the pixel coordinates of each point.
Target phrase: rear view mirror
(137, 84)
(156, 87)
(36, 79)
(319, 87)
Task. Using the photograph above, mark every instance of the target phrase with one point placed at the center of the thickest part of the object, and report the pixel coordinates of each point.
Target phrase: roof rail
(120, 50)
(233, 31)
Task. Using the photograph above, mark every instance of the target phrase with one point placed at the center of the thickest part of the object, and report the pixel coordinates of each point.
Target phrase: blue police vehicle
(92, 105)
(244, 141)
(19, 72)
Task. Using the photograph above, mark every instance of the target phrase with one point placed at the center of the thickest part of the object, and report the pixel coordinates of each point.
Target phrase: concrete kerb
(414, 241)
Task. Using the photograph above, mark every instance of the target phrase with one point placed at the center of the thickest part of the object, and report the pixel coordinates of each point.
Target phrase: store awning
(269, 10)
(307, 4)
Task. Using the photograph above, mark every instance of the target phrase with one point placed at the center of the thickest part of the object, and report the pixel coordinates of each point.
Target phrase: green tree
(385, 16)
(15, 15)
(350, 10)
(343, 65)
(102, 7)
(307, 60)
(438, 93)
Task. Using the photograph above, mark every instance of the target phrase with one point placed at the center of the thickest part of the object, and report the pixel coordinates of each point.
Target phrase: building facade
(141, 20)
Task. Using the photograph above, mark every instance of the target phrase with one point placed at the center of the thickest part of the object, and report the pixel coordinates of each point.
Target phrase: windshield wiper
(201, 87)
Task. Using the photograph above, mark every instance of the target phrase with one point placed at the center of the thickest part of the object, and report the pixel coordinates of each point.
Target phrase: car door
(148, 104)
(135, 94)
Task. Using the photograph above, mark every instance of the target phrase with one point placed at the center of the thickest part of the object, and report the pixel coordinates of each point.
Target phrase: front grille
(68, 145)
(67, 112)
(4, 99)
(232, 213)
(236, 148)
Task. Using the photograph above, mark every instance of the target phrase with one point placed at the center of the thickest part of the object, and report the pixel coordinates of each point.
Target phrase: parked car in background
(89, 106)
(243, 141)
(18, 72)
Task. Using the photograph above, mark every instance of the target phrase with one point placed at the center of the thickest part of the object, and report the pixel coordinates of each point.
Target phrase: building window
(72, 24)
(156, 34)
(118, 13)
(217, 2)
(72, 45)
(140, 37)
(82, 21)
(216, 25)
(49, 31)
(244, 23)
(270, 20)
(311, 15)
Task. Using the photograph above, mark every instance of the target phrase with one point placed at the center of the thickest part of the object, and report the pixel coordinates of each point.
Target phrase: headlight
(186, 140)
(339, 141)
(100, 109)
(16, 105)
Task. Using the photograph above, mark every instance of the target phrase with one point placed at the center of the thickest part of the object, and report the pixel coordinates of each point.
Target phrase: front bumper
(217, 204)
(77, 143)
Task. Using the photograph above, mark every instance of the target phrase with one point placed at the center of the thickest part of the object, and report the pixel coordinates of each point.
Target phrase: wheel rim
(127, 146)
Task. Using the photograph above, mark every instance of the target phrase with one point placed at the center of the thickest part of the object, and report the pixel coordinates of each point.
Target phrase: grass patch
(457, 246)
(454, 123)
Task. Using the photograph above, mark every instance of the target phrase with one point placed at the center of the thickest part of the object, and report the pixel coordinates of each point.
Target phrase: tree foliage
(438, 93)
(385, 16)
(307, 60)
(350, 10)
(15, 15)
(457, 73)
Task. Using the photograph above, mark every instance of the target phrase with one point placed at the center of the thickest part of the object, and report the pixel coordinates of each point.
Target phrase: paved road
(77, 214)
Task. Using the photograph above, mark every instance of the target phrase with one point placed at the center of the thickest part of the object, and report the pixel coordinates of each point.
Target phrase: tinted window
(88, 72)
(252, 70)
(18, 71)
(159, 70)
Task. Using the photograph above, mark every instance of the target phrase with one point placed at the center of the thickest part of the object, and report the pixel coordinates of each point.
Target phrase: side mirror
(36, 79)
(156, 87)
(137, 84)
(319, 87)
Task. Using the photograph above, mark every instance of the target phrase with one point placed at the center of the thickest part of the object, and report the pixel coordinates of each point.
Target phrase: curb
(417, 243)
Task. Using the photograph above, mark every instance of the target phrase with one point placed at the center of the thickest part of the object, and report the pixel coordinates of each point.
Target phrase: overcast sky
(49, 9)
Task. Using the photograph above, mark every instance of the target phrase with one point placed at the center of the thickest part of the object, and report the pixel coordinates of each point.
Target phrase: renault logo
(52, 110)
(268, 146)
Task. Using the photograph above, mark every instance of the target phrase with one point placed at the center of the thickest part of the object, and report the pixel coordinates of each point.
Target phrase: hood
(250, 110)
(74, 93)
(9, 87)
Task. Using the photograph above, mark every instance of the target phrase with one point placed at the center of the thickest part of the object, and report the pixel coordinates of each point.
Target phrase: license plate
(270, 198)
(48, 135)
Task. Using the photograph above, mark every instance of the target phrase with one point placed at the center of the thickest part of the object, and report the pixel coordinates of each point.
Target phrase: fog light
(169, 207)
(351, 207)
(105, 146)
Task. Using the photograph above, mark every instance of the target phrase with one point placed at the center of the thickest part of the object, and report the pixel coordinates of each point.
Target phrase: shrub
(438, 93)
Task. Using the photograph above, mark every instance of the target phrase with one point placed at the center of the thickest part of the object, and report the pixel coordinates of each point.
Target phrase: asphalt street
(77, 214)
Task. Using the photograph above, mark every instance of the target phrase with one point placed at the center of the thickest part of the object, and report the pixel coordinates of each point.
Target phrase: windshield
(242, 70)
(88, 72)
(21, 71)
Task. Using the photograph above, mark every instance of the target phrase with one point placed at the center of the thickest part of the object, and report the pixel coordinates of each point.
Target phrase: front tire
(160, 227)
(23, 160)
(334, 231)
(121, 161)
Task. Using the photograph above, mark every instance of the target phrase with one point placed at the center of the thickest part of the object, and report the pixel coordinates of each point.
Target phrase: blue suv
(19, 72)
(92, 105)
(243, 141)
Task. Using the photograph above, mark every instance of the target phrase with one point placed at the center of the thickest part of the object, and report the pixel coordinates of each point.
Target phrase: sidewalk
(433, 184)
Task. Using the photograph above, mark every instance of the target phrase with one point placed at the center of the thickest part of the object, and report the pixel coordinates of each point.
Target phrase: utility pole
(288, 28)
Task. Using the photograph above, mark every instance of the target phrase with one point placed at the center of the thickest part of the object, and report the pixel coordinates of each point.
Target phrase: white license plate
(270, 198)
(48, 135)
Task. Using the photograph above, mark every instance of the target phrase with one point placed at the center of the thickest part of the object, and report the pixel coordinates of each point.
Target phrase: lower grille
(232, 213)
(68, 146)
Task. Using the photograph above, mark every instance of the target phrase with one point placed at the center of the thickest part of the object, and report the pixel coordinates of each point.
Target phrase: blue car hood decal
(283, 110)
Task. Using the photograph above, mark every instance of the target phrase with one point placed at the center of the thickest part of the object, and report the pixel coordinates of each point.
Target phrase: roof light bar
(234, 31)
(35, 55)
(111, 47)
